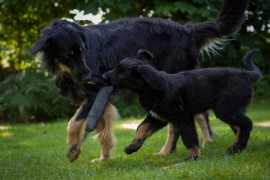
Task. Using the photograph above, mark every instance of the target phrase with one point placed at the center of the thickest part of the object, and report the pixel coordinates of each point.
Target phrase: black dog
(71, 53)
(176, 98)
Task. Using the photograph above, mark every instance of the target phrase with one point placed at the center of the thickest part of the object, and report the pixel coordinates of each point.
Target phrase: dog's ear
(149, 76)
(79, 29)
(144, 54)
(41, 44)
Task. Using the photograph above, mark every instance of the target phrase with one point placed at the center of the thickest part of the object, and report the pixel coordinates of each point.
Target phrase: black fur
(176, 98)
(99, 48)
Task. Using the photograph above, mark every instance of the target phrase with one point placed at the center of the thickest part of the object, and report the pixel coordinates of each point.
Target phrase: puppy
(176, 98)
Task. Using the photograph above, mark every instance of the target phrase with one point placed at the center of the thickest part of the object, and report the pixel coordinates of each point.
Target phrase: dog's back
(251, 72)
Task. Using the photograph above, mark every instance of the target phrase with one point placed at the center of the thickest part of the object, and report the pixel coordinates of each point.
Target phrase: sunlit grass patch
(5, 131)
(130, 124)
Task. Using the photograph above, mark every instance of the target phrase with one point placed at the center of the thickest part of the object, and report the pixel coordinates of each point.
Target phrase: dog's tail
(209, 35)
(255, 73)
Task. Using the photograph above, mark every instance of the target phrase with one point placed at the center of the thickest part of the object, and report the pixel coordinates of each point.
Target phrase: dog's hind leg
(230, 106)
(236, 130)
(173, 135)
(149, 126)
(240, 124)
(170, 144)
(104, 132)
(202, 120)
(242, 133)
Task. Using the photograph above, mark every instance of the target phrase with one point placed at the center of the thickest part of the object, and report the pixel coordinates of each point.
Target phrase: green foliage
(129, 106)
(31, 97)
(262, 88)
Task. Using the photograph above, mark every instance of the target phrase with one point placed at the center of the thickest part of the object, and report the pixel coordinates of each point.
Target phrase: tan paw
(160, 154)
(206, 143)
(103, 158)
(73, 152)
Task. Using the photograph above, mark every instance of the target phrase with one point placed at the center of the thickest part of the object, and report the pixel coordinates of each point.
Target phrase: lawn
(37, 151)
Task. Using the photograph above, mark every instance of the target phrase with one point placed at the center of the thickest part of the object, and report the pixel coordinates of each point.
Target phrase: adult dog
(176, 98)
(71, 53)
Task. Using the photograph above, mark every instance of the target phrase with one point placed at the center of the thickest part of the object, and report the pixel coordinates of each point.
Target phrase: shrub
(262, 88)
(129, 106)
(31, 97)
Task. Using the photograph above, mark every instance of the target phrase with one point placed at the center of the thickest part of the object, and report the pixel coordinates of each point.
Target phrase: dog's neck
(154, 91)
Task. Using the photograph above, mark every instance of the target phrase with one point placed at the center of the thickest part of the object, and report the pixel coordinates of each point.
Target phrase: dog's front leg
(74, 128)
(149, 126)
(186, 127)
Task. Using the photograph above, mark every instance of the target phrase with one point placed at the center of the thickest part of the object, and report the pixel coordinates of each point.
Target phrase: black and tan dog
(72, 53)
(176, 98)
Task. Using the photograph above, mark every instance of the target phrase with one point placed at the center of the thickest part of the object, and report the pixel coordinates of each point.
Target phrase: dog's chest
(157, 109)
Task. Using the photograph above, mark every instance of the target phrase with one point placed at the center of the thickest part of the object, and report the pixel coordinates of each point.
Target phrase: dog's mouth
(96, 80)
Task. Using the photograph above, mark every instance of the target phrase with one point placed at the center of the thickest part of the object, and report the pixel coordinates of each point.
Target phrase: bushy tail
(231, 17)
(250, 66)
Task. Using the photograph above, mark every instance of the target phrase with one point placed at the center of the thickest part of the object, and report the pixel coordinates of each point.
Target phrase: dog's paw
(236, 148)
(73, 153)
(206, 143)
(191, 158)
(132, 148)
(160, 154)
(98, 160)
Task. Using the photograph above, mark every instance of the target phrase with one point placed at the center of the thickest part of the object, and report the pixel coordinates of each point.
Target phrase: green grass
(37, 151)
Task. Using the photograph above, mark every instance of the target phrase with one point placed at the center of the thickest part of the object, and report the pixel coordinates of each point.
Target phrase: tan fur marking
(74, 129)
(169, 142)
(104, 132)
(142, 131)
(64, 68)
(237, 128)
(200, 119)
(194, 151)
